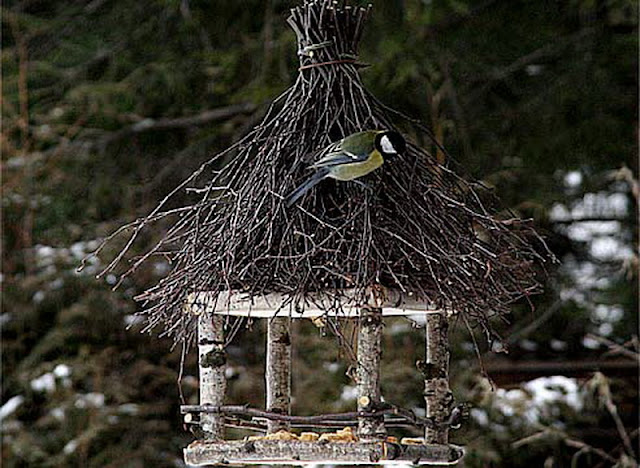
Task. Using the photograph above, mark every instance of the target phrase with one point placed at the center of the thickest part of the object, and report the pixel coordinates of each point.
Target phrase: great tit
(354, 156)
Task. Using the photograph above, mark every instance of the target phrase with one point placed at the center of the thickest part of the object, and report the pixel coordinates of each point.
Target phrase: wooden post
(212, 361)
(368, 373)
(278, 372)
(435, 369)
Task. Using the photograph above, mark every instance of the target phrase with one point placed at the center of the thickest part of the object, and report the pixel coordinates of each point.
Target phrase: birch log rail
(368, 374)
(278, 371)
(212, 360)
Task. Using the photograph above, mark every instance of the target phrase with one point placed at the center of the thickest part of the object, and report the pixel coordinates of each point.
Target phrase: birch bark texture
(368, 373)
(212, 360)
(278, 371)
(437, 394)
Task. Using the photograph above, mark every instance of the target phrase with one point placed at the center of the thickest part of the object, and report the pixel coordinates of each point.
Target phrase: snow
(58, 414)
(609, 248)
(62, 371)
(534, 69)
(497, 346)
(586, 230)
(558, 345)
(349, 393)
(556, 388)
(44, 383)
(38, 297)
(559, 212)
(231, 371)
(132, 319)
(56, 112)
(607, 241)
(573, 179)
(590, 343)
(161, 268)
(47, 257)
(608, 313)
(88, 400)
(129, 408)
(537, 397)
(398, 328)
(71, 447)
(332, 367)
(11, 406)
(605, 329)
(528, 345)
(480, 416)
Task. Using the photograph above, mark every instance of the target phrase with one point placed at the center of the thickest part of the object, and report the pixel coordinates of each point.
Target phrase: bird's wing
(354, 148)
(339, 157)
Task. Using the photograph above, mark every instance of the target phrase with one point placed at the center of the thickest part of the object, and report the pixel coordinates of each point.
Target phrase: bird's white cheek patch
(386, 145)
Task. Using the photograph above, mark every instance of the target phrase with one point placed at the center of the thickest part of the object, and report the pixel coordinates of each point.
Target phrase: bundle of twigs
(418, 227)
(396, 416)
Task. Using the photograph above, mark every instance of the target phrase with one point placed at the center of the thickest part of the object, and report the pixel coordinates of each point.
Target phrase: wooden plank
(279, 452)
(342, 303)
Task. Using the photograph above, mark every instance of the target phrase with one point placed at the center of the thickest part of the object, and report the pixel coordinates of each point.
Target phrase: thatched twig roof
(419, 227)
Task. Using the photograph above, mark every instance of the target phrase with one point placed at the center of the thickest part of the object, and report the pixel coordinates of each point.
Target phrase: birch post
(368, 373)
(437, 394)
(278, 372)
(212, 361)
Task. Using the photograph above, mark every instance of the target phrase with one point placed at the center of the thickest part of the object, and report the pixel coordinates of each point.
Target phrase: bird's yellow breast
(352, 171)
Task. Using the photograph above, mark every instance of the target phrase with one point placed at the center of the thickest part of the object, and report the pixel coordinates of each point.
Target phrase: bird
(352, 157)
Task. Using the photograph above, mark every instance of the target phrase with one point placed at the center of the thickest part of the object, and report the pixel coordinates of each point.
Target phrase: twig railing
(395, 416)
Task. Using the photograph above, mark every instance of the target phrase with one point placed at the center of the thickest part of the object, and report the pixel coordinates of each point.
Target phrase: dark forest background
(107, 105)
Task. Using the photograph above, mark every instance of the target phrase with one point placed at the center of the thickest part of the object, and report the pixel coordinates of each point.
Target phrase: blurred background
(107, 105)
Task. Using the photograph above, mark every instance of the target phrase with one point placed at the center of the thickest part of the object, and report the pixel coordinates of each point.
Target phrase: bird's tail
(314, 180)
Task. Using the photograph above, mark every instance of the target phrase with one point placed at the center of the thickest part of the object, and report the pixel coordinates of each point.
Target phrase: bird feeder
(363, 438)
(413, 238)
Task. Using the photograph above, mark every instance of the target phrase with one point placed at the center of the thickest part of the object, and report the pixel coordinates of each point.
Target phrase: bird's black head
(390, 144)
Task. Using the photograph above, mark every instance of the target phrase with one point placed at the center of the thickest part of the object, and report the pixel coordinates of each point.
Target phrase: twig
(615, 347)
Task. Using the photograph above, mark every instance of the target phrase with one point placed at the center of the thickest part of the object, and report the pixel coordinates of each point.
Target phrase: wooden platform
(279, 452)
(342, 303)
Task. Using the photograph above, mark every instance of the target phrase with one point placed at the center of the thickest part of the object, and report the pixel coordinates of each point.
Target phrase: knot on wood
(458, 415)
(283, 339)
(365, 403)
(210, 342)
(431, 371)
(391, 450)
(214, 358)
(370, 320)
